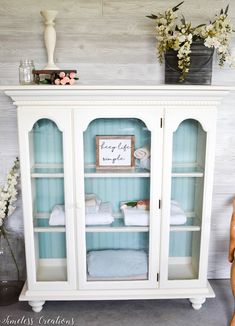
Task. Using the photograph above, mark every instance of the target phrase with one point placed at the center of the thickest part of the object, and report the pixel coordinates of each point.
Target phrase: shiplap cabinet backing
(73, 258)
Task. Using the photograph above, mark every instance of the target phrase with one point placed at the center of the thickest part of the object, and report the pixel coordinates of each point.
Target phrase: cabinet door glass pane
(187, 183)
(47, 178)
(117, 205)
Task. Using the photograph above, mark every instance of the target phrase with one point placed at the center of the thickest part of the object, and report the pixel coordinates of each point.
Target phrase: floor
(216, 312)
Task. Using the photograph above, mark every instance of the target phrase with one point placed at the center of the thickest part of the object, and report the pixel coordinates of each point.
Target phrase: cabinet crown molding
(162, 95)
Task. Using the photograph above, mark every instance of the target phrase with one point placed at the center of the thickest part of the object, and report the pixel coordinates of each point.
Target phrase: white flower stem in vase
(50, 37)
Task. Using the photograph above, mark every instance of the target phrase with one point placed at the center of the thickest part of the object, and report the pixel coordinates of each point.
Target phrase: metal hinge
(157, 277)
(161, 123)
(159, 204)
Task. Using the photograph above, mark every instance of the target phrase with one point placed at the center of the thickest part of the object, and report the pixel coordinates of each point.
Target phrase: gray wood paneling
(112, 42)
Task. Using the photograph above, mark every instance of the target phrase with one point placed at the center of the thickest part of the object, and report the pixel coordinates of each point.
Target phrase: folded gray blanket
(117, 263)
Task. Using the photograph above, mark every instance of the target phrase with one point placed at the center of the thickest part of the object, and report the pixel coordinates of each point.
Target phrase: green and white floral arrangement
(179, 36)
(8, 194)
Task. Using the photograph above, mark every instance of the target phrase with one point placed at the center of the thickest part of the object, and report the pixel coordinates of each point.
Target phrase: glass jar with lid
(26, 72)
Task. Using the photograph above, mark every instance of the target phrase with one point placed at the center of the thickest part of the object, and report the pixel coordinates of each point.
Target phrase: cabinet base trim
(138, 294)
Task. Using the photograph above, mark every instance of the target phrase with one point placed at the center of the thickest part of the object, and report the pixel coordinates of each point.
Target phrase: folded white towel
(142, 152)
(92, 203)
(102, 217)
(57, 216)
(177, 214)
(135, 216)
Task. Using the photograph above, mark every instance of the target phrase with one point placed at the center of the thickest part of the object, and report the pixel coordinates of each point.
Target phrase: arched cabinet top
(88, 123)
(49, 120)
(202, 116)
(188, 119)
(32, 116)
(86, 115)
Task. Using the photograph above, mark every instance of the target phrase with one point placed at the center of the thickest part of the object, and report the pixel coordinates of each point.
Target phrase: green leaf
(131, 203)
(226, 9)
(183, 21)
(45, 81)
(200, 25)
(152, 16)
(177, 7)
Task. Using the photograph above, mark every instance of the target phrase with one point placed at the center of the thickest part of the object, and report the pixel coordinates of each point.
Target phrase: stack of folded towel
(92, 203)
(117, 263)
(178, 216)
(136, 213)
(57, 216)
(102, 217)
(96, 212)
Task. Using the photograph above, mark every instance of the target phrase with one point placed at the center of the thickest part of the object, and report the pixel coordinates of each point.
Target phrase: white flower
(222, 49)
(209, 27)
(212, 42)
(8, 193)
(3, 205)
(2, 214)
(179, 37)
(182, 38)
(162, 21)
(190, 37)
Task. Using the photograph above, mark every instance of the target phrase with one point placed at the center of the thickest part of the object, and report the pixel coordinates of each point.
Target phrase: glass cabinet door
(187, 184)
(117, 204)
(186, 212)
(51, 255)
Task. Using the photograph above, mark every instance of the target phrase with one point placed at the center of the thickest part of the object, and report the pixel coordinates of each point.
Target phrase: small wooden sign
(115, 152)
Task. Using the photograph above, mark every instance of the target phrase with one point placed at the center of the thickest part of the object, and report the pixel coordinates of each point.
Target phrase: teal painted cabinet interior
(116, 190)
(46, 142)
(189, 144)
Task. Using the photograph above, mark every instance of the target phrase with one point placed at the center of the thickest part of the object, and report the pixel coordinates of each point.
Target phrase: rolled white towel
(57, 216)
(142, 152)
(92, 203)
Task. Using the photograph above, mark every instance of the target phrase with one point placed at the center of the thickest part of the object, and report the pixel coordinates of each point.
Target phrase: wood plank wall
(112, 42)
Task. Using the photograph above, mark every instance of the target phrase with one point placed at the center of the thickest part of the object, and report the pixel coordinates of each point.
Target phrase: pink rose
(72, 81)
(66, 79)
(57, 81)
(72, 75)
(62, 74)
(63, 81)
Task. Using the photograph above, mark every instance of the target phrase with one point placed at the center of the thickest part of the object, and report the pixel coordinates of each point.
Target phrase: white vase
(50, 37)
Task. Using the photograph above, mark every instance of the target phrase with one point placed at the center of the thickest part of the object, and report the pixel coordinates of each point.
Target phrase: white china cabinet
(71, 259)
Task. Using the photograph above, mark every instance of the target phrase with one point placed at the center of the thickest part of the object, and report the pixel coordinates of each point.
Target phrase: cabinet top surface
(43, 95)
(118, 87)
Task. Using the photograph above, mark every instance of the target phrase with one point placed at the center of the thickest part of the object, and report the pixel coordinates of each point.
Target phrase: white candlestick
(50, 37)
